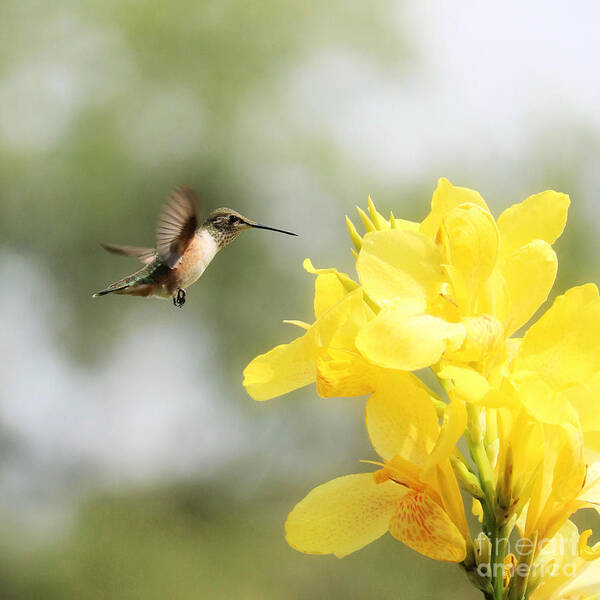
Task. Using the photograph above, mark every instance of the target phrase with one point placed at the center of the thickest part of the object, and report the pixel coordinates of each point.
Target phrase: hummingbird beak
(259, 226)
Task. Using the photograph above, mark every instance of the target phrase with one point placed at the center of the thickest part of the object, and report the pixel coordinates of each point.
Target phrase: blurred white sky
(483, 85)
(484, 79)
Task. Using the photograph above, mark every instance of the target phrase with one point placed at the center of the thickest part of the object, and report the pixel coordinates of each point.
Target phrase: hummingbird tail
(109, 290)
(136, 284)
(118, 287)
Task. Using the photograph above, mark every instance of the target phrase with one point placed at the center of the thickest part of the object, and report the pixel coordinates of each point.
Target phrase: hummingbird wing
(177, 224)
(145, 255)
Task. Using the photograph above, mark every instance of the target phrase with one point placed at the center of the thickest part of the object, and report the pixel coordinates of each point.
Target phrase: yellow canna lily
(449, 293)
(560, 573)
(565, 484)
(326, 353)
(413, 497)
(556, 371)
(521, 451)
(561, 481)
(461, 283)
(454, 286)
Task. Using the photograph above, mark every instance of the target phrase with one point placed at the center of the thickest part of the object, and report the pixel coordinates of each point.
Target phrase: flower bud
(467, 480)
(483, 549)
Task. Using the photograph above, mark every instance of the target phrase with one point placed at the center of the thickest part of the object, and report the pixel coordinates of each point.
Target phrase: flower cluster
(448, 294)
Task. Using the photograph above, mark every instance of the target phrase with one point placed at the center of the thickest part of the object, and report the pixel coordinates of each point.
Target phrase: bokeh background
(132, 463)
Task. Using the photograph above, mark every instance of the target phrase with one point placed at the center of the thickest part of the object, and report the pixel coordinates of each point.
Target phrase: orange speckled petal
(424, 526)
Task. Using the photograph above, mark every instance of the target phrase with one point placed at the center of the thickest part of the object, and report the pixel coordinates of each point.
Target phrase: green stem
(500, 545)
(497, 531)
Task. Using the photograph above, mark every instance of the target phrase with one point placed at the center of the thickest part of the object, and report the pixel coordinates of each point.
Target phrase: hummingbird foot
(179, 298)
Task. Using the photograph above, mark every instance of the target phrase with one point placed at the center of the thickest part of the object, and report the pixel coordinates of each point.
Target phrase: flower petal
(477, 510)
(425, 527)
(591, 491)
(290, 366)
(399, 266)
(592, 442)
(348, 283)
(557, 562)
(403, 224)
(395, 341)
(447, 487)
(445, 197)
(343, 515)
(494, 298)
(542, 401)
(453, 426)
(563, 346)
(401, 419)
(343, 374)
(330, 286)
(529, 273)
(586, 552)
(339, 326)
(469, 237)
(284, 368)
(563, 574)
(584, 399)
(569, 473)
(484, 336)
(329, 290)
(540, 217)
(523, 437)
(467, 383)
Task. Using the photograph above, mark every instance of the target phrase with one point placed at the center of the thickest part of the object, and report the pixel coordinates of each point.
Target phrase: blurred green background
(133, 464)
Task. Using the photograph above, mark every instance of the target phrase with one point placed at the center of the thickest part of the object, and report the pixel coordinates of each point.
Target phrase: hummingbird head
(225, 224)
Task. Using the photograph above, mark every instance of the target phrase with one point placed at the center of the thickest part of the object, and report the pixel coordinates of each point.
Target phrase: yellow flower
(547, 382)
(326, 353)
(454, 286)
(561, 573)
(449, 293)
(561, 481)
(521, 450)
(563, 485)
(414, 496)
(459, 284)
(556, 371)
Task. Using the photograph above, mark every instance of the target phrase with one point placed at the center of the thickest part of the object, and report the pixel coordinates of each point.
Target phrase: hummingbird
(184, 248)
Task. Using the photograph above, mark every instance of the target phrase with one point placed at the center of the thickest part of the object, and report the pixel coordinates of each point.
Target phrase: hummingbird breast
(197, 256)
